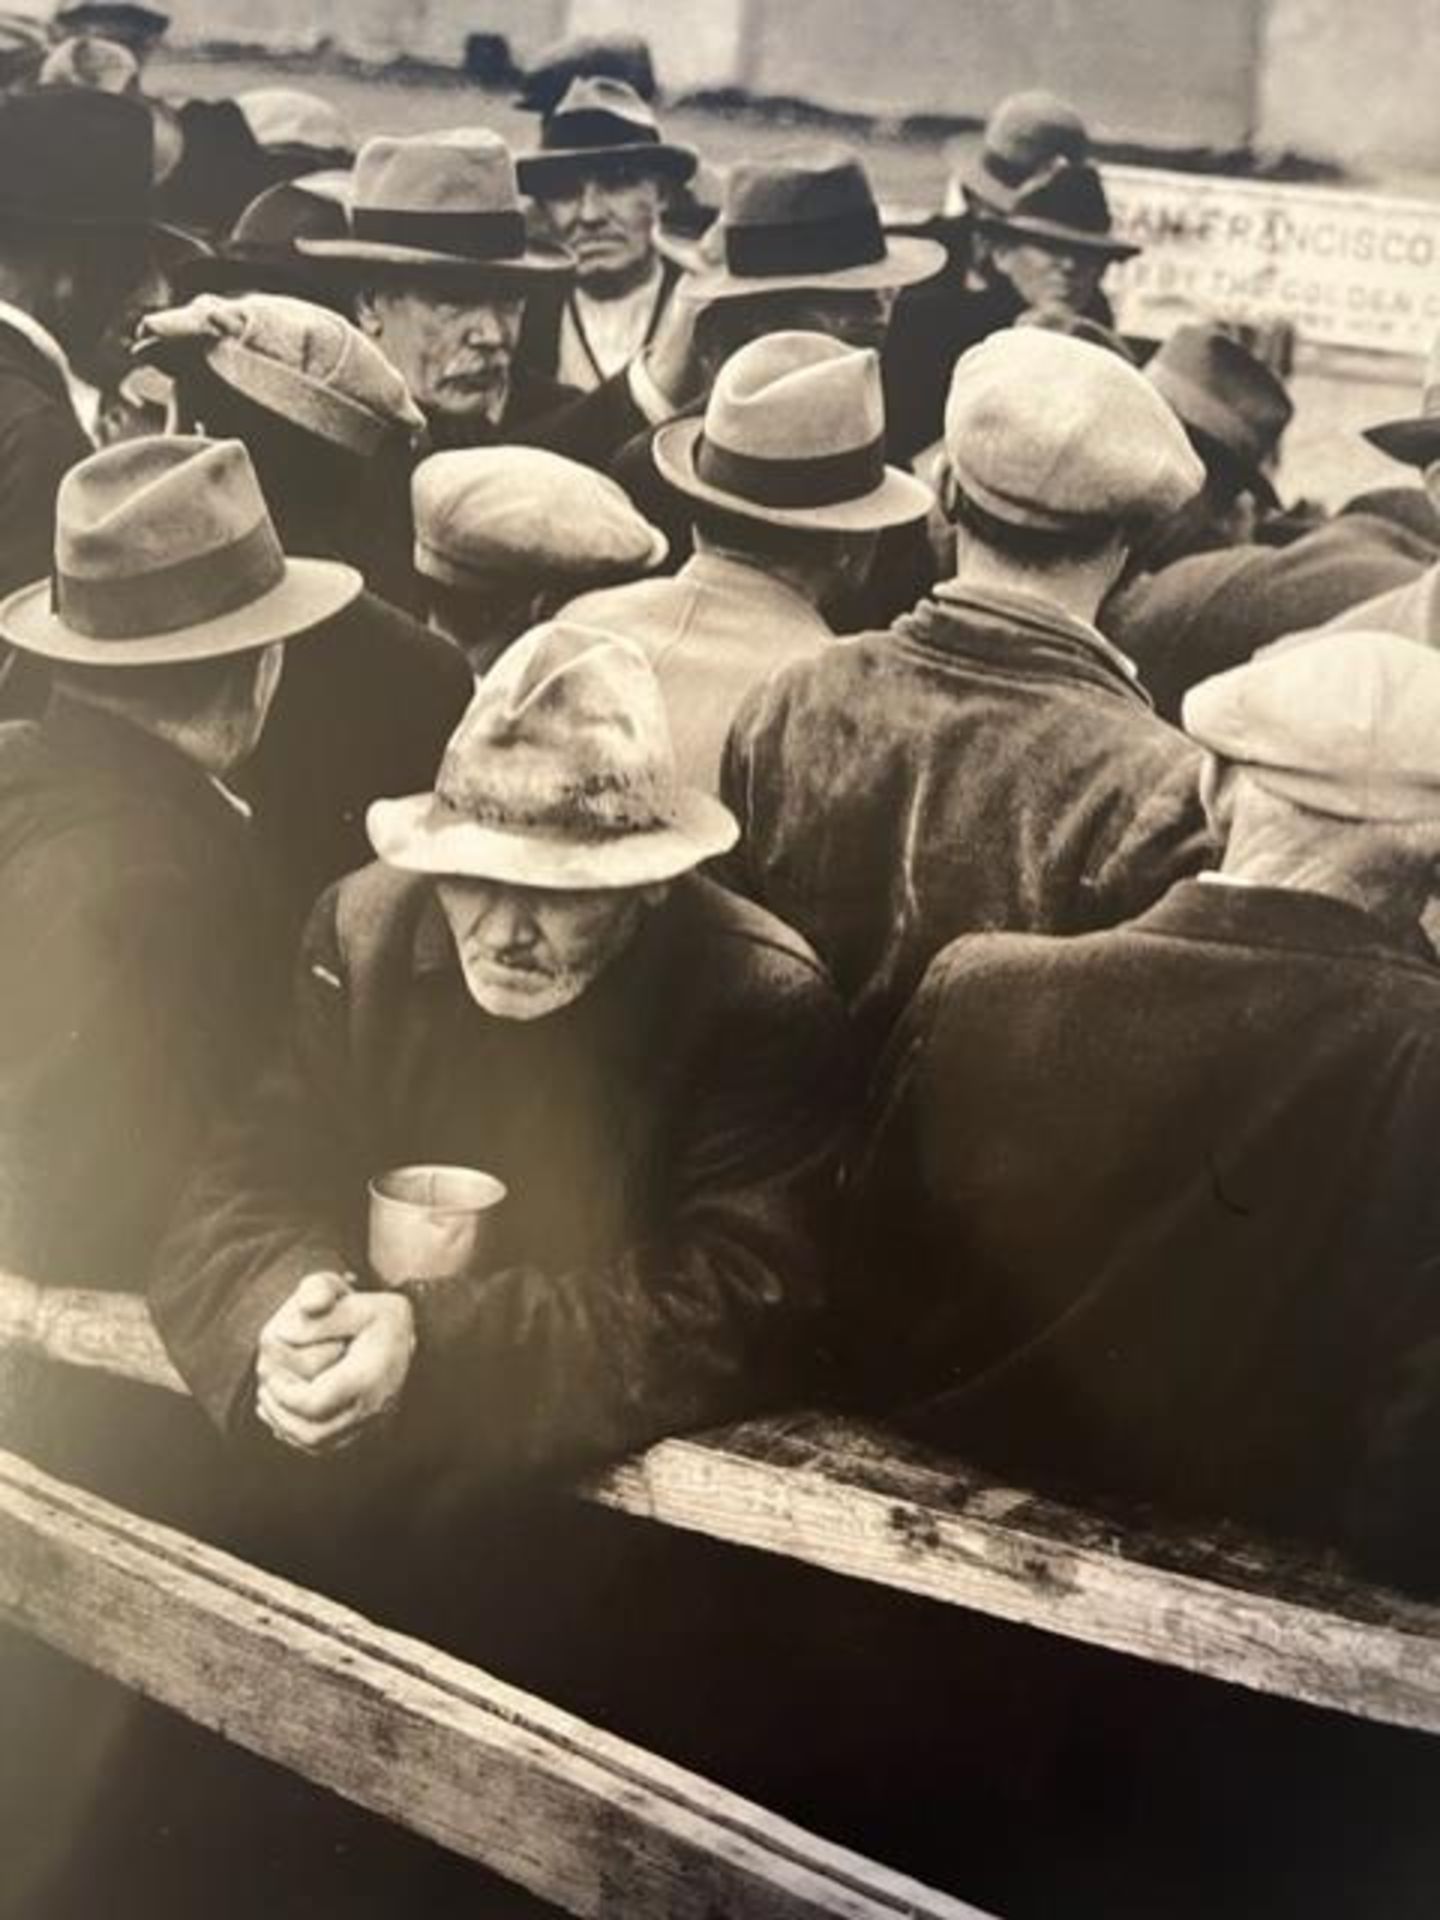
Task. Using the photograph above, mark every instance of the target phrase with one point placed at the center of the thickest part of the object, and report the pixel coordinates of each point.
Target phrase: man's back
(1164, 1204)
(137, 971)
(985, 764)
(717, 629)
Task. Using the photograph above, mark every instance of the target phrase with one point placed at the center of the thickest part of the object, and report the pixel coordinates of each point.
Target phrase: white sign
(1348, 269)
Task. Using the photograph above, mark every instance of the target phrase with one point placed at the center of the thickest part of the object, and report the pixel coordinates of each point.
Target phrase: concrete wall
(1358, 82)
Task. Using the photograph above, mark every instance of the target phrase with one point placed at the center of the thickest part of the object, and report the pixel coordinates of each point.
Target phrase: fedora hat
(794, 434)
(76, 157)
(808, 222)
(440, 201)
(601, 120)
(1063, 204)
(560, 774)
(612, 56)
(165, 551)
(133, 26)
(260, 254)
(1415, 440)
(1025, 135)
(1227, 399)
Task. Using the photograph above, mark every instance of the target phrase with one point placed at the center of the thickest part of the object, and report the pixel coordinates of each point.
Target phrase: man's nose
(507, 925)
(483, 328)
(593, 204)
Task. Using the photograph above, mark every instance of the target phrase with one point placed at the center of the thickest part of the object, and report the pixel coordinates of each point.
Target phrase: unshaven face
(607, 216)
(1046, 274)
(529, 951)
(453, 352)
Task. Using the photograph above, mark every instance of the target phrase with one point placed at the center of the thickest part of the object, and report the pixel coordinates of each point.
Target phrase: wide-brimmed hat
(440, 202)
(523, 511)
(810, 222)
(561, 774)
(259, 254)
(75, 157)
(612, 56)
(1024, 136)
(1227, 398)
(300, 362)
(1049, 432)
(794, 434)
(1340, 721)
(1065, 205)
(165, 551)
(1415, 440)
(601, 119)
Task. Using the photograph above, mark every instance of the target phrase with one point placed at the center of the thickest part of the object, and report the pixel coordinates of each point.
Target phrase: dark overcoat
(1213, 611)
(669, 1141)
(989, 762)
(140, 964)
(1168, 1222)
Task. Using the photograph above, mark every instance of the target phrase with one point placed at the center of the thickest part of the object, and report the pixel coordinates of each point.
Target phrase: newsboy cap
(482, 511)
(1345, 722)
(1045, 431)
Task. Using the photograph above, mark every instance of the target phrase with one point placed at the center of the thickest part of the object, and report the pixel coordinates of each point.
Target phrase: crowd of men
(792, 744)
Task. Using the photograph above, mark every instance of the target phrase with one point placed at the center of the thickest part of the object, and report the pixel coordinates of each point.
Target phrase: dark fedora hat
(1227, 399)
(260, 254)
(440, 203)
(1064, 205)
(1026, 134)
(808, 222)
(75, 157)
(1415, 440)
(613, 56)
(601, 119)
(133, 26)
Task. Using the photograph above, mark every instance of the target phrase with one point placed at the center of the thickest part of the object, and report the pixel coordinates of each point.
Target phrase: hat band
(787, 247)
(599, 130)
(475, 236)
(823, 480)
(188, 592)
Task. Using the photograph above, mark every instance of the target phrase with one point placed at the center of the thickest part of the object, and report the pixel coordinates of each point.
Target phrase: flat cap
(482, 511)
(1046, 431)
(1344, 722)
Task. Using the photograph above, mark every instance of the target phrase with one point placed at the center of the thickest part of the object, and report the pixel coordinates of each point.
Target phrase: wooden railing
(853, 1499)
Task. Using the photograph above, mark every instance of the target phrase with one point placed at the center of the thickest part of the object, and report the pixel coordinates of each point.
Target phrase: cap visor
(907, 262)
(311, 591)
(422, 835)
(531, 264)
(899, 499)
(1414, 442)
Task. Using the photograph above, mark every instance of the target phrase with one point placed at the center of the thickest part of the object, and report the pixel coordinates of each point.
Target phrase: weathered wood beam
(581, 1819)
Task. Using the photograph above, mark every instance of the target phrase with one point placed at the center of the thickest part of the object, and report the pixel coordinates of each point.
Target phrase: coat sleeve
(528, 1372)
(271, 1199)
(38, 447)
(1153, 833)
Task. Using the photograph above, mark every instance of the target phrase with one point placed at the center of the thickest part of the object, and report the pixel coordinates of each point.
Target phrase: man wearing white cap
(1171, 1216)
(787, 483)
(531, 982)
(505, 536)
(989, 761)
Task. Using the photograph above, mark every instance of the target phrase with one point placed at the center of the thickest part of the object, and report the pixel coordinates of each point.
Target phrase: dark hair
(1037, 548)
(782, 546)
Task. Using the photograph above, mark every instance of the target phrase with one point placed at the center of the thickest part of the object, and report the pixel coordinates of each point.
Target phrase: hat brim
(422, 835)
(669, 162)
(907, 262)
(1415, 442)
(899, 499)
(530, 266)
(1081, 239)
(309, 593)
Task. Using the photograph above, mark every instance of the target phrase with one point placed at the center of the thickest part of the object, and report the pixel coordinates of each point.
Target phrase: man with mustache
(601, 177)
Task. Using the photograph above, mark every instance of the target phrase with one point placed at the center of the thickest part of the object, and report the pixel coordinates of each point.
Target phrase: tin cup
(430, 1223)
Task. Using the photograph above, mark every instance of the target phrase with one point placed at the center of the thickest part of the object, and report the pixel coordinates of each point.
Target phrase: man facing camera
(1158, 1205)
(532, 982)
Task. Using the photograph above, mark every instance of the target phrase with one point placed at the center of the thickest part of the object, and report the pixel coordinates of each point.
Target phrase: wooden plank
(581, 1819)
(859, 1501)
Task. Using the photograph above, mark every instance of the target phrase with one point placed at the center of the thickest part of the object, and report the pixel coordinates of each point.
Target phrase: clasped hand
(332, 1361)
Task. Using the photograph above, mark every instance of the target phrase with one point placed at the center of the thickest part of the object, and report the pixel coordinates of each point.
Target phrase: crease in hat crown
(528, 512)
(457, 170)
(1220, 388)
(1340, 721)
(1048, 431)
(792, 394)
(139, 506)
(567, 734)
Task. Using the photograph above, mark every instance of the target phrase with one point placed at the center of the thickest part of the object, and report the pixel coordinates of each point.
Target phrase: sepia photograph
(719, 900)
